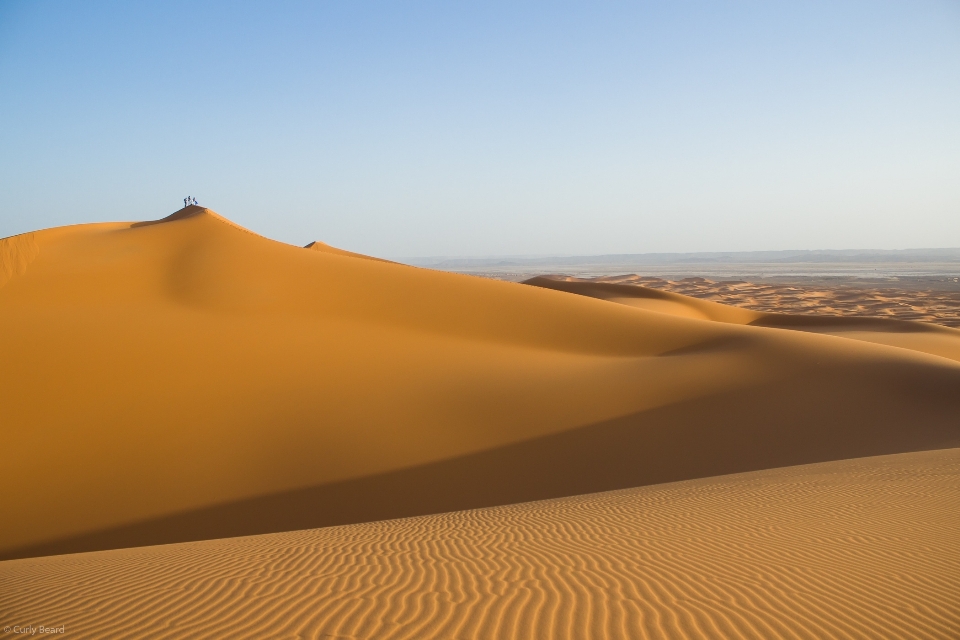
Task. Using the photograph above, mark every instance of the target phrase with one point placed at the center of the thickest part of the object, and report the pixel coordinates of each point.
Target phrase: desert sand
(187, 379)
(861, 548)
(924, 305)
(920, 336)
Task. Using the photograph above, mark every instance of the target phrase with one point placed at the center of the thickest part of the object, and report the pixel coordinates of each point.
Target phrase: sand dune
(925, 337)
(853, 549)
(187, 379)
(325, 248)
(15, 254)
(881, 301)
(939, 307)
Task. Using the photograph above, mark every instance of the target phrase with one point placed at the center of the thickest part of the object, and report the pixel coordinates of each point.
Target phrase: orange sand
(325, 248)
(939, 307)
(918, 336)
(863, 548)
(187, 379)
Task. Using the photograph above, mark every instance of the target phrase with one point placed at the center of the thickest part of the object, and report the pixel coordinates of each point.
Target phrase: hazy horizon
(492, 129)
(952, 253)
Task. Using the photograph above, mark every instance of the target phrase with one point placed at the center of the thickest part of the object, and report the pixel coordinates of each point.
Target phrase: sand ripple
(865, 548)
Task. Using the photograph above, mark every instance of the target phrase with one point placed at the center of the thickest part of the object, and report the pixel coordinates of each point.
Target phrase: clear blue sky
(421, 129)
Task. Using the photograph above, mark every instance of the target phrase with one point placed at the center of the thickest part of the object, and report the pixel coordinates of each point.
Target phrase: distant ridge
(719, 257)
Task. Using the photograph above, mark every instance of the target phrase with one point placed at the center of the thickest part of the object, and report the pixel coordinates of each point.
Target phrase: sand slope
(187, 379)
(853, 549)
(325, 248)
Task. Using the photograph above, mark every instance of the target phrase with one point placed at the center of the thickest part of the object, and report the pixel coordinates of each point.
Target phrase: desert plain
(208, 433)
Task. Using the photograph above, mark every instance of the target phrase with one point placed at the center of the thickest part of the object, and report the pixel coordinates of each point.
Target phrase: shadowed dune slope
(862, 548)
(186, 378)
(907, 334)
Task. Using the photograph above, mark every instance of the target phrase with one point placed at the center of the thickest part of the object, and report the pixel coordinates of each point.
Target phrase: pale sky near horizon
(475, 129)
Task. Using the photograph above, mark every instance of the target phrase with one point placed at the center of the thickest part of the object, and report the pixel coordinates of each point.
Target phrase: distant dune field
(886, 301)
(187, 379)
(861, 548)
(835, 317)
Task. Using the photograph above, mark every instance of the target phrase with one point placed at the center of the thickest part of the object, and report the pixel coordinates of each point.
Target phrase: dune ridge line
(16, 253)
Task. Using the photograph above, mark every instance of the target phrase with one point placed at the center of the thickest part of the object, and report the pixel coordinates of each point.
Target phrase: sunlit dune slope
(918, 336)
(862, 548)
(325, 248)
(187, 379)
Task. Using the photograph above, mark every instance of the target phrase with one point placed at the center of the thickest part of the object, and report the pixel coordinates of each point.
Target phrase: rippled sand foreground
(862, 548)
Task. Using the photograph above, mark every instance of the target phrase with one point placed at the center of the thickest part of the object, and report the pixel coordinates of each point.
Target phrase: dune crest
(854, 549)
(646, 298)
(325, 248)
(184, 380)
(192, 211)
(16, 252)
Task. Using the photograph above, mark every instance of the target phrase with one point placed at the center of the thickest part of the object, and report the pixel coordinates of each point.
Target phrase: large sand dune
(188, 379)
(863, 548)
